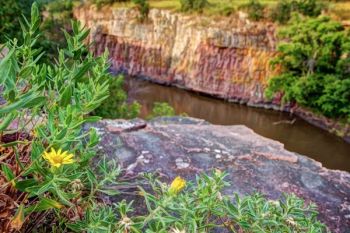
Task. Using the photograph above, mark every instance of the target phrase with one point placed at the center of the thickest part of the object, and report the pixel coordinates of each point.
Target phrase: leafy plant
(254, 9)
(162, 109)
(100, 3)
(314, 56)
(201, 207)
(282, 12)
(58, 16)
(10, 15)
(115, 105)
(143, 8)
(45, 155)
(195, 5)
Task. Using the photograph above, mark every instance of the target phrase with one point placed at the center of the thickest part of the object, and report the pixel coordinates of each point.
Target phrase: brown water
(300, 137)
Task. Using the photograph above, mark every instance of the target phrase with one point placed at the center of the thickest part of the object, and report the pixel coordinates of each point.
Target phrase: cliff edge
(187, 146)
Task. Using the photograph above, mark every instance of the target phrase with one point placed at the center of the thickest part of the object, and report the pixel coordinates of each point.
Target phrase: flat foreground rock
(187, 146)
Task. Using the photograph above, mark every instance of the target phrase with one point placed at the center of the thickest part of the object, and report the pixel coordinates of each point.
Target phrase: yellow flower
(177, 185)
(57, 158)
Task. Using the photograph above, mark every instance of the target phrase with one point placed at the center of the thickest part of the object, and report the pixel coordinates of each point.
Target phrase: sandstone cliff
(228, 57)
(187, 146)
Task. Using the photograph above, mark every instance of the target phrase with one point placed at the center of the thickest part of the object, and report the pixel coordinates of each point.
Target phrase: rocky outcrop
(187, 146)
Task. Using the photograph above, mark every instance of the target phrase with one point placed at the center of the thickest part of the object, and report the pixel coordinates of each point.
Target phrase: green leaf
(23, 184)
(35, 102)
(7, 172)
(64, 197)
(110, 192)
(44, 204)
(7, 121)
(61, 134)
(92, 119)
(8, 69)
(10, 144)
(82, 36)
(40, 188)
(66, 96)
(82, 71)
(27, 100)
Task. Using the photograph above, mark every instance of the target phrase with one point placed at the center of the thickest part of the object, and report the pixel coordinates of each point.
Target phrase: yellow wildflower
(57, 158)
(177, 185)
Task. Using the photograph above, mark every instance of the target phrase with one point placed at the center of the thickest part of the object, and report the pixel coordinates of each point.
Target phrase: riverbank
(296, 134)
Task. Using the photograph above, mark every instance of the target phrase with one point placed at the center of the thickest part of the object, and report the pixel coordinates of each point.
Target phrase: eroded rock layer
(187, 146)
(228, 58)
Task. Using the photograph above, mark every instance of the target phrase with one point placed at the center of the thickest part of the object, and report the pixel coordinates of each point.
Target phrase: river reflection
(299, 137)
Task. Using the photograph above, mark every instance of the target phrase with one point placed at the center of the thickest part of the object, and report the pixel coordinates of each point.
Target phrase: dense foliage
(141, 5)
(161, 109)
(143, 8)
(195, 5)
(45, 156)
(282, 12)
(254, 9)
(115, 105)
(314, 56)
(10, 15)
(58, 14)
(100, 3)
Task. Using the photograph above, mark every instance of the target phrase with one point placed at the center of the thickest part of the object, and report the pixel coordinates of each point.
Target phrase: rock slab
(186, 146)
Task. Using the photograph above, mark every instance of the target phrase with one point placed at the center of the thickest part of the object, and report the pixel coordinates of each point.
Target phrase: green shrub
(59, 14)
(315, 59)
(176, 208)
(50, 102)
(310, 8)
(143, 8)
(115, 105)
(161, 109)
(10, 15)
(282, 12)
(195, 5)
(100, 3)
(254, 9)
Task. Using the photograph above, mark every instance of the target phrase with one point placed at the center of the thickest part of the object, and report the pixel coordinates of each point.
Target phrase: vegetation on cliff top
(315, 59)
(47, 179)
(338, 9)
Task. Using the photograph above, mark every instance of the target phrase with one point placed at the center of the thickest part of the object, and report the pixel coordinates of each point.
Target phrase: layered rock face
(228, 58)
(187, 146)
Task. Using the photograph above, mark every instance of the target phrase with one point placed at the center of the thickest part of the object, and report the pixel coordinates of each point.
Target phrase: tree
(162, 109)
(196, 5)
(315, 59)
(254, 9)
(282, 12)
(143, 8)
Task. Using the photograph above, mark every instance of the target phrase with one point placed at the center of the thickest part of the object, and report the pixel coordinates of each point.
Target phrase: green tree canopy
(315, 59)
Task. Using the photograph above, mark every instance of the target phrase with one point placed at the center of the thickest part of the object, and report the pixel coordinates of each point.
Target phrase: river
(300, 137)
